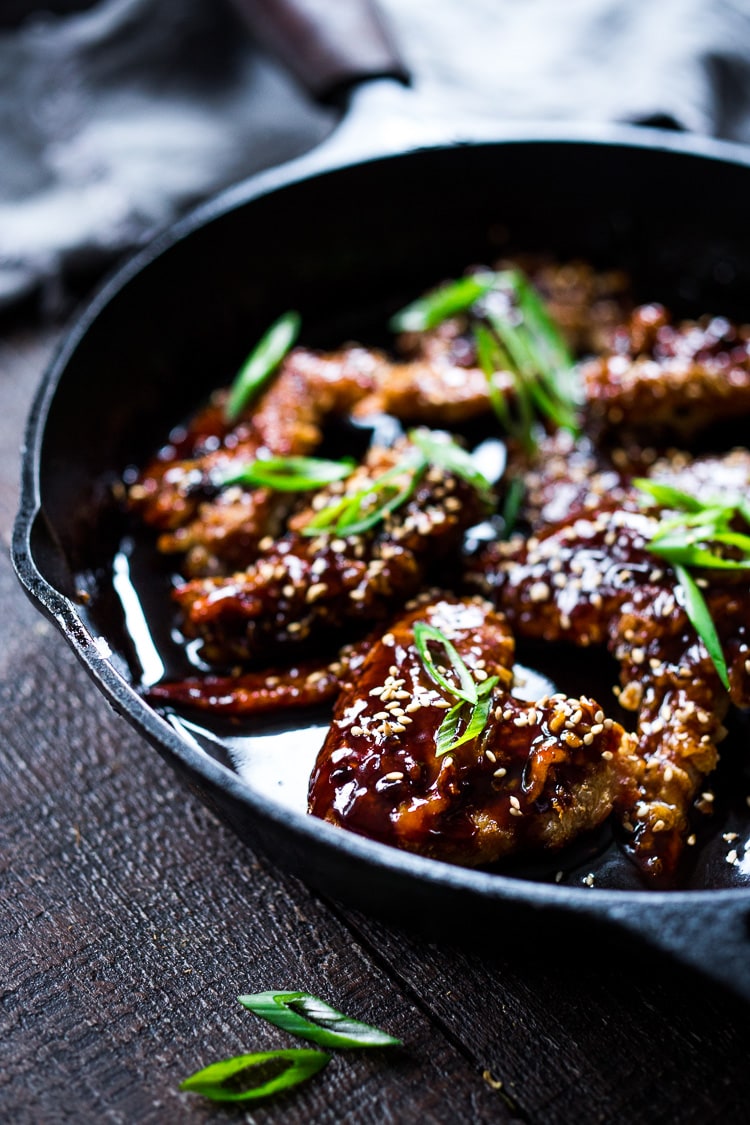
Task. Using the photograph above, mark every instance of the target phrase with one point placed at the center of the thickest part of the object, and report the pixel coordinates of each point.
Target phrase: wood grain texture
(130, 920)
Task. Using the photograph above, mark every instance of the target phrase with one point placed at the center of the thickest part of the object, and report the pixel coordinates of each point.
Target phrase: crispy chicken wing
(303, 585)
(538, 775)
(303, 684)
(590, 579)
(178, 492)
(667, 379)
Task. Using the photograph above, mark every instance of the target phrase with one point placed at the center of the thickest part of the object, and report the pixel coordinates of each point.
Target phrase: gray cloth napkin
(117, 119)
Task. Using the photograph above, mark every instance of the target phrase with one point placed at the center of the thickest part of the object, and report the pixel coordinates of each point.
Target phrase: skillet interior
(346, 248)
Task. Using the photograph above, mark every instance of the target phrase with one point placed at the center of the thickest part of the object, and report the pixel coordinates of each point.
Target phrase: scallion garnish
(515, 334)
(370, 505)
(439, 450)
(690, 539)
(247, 1077)
(442, 303)
(512, 505)
(289, 474)
(261, 363)
(366, 508)
(474, 698)
(310, 1018)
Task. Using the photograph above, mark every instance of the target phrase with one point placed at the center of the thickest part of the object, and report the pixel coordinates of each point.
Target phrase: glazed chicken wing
(669, 379)
(308, 585)
(178, 493)
(535, 777)
(590, 579)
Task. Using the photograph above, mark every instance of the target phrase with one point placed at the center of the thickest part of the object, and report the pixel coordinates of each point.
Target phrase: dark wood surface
(130, 919)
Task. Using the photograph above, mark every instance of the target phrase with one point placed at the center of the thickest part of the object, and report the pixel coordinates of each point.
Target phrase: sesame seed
(691, 840)
(731, 857)
(288, 591)
(500, 772)
(315, 591)
(589, 879)
(395, 775)
(539, 592)
(730, 836)
(515, 812)
(607, 755)
(490, 756)
(558, 876)
(571, 739)
(356, 731)
(515, 802)
(388, 639)
(557, 721)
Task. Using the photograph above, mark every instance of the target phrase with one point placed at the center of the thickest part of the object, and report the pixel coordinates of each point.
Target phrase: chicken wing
(535, 777)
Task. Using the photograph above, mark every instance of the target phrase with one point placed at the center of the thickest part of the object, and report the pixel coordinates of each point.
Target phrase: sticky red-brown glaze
(306, 585)
(219, 530)
(669, 379)
(538, 775)
(590, 579)
(305, 684)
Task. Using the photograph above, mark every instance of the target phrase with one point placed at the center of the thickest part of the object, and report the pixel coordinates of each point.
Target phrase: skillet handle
(328, 45)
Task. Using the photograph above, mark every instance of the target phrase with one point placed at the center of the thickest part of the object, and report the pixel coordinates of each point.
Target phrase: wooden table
(130, 920)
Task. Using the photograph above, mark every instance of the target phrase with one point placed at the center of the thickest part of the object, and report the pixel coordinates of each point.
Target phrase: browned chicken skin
(302, 684)
(538, 775)
(590, 579)
(177, 492)
(669, 379)
(309, 585)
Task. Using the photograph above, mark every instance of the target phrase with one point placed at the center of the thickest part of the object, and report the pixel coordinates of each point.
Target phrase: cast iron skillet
(347, 242)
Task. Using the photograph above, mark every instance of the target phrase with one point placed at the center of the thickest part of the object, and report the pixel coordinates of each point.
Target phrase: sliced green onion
(247, 1077)
(290, 474)
(423, 635)
(446, 454)
(354, 514)
(701, 620)
(311, 1018)
(684, 541)
(442, 303)
(447, 737)
(667, 496)
(492, 359)
(678, 551)
(512, 505)
(542, 326)
(261, 363)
